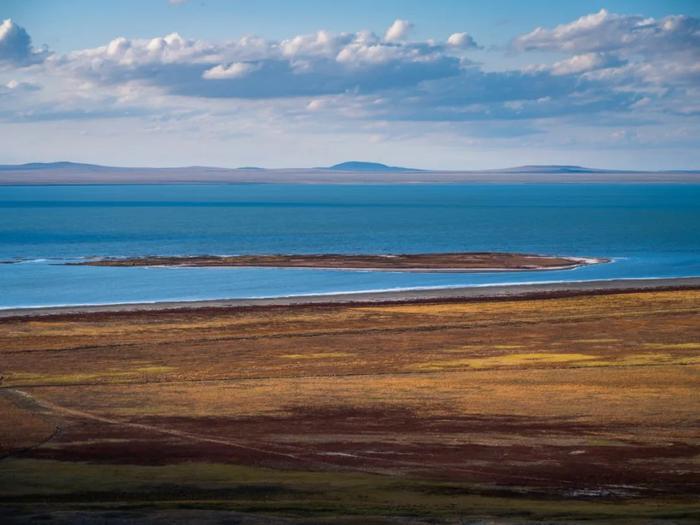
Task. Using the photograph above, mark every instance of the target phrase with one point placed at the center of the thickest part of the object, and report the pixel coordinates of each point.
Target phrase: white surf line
(516, 289)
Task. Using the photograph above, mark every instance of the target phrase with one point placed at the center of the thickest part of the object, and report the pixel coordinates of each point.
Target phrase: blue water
(649, 230)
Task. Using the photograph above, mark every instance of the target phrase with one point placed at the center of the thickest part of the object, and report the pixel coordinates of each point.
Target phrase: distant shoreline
(469, 293)
(77, 174)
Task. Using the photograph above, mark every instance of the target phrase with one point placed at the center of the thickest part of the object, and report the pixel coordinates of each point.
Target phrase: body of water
(649, 230)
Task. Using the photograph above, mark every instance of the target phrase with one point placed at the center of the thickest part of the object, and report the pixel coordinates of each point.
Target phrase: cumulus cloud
(655, 60)
(584, 63)
(305, 65)
(321, 44)
(16, 46)
(606, 32)
(17, 85)
(398, 30)
(235, 70)
(609, 66)
(315, 105)
(461, 40)
(611, 73)
(15, 89)
(646, 49)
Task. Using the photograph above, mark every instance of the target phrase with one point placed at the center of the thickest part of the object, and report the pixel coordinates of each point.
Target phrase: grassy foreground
(569, 409)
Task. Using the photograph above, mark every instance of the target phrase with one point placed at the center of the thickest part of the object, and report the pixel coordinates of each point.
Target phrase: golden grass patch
(318, 355)
(506, 360)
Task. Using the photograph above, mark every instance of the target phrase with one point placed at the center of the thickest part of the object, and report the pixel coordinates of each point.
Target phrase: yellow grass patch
(601, 340)
(507, 360)
(673, 346)
(29, 378)
(318, 355)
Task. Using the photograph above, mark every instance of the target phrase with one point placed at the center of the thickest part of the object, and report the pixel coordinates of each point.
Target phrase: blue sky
(444, 84)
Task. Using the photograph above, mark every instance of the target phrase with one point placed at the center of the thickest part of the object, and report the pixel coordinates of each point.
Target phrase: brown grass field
(578, 409)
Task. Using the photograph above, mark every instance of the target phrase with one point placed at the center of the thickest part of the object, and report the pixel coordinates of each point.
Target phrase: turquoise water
(649, 230)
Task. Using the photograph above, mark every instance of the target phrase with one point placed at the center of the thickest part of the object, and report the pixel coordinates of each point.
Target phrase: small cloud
(398, 30)
(641, 103)
(177, 2)
(461, 41)
(315, 105)
(16, 85)
(515, 105)
(235, 70)
(583, 63)
(623, 135)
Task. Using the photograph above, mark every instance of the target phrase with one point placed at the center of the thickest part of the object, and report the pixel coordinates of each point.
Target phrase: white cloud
(358, 53)
(398, 30)
(235, 70)
(315, 105)
(305, 65)
(320, 44)
(582, 63)
(609, 32)
(629, 52)
(16, 46)
(461, 40)
(18, 85)
(368, 78)
(346, 90)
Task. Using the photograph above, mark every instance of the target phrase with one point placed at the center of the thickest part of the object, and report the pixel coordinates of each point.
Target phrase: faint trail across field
(22, 400)
(58, 409)
(308, 461)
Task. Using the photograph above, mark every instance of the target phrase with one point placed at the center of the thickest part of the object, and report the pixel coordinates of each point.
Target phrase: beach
(559, 289)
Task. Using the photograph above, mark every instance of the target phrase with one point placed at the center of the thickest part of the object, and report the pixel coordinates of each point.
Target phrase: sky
(272, 83)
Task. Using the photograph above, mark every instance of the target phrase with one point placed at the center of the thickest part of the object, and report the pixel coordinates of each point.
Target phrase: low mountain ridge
(64, 164)
(551, 168)
(358, 172)
(356, 165)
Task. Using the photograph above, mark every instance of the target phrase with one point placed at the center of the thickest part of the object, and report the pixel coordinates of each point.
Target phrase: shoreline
(304, 176)
(474, 293)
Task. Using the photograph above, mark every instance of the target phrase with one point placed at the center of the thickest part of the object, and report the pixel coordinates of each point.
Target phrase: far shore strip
(471, 293)
(420, 262)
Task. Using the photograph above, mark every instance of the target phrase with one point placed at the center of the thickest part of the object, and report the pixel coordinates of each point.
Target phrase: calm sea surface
(649, 230)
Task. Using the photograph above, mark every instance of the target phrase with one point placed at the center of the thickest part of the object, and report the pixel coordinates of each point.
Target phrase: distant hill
(355, 165)
(551, 168)
(31, 166)
(346, 172)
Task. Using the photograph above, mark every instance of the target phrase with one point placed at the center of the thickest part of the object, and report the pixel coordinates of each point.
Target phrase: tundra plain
(563, 409)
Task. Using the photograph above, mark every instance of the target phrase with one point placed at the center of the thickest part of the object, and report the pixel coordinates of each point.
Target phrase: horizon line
(380, 166)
